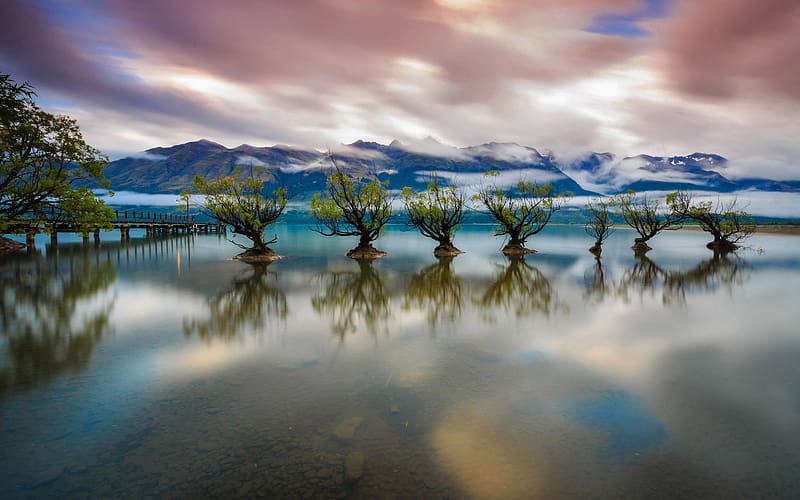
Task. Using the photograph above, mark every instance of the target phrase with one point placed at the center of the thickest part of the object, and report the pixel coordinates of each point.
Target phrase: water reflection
(596, 287)
(437, 290)
(518, 287)
(646, 277)
(53, 314)
(354, 301)
(251, 301)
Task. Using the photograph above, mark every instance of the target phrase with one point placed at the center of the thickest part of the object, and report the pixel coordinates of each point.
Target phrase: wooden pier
(124, 220)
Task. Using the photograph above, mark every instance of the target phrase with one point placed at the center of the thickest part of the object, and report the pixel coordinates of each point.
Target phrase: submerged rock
(345, 429)
(354, 466)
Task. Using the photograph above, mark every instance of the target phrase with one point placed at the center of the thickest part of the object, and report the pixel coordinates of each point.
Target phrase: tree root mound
(446, 251)
(8, 245)
(254, 256)
(641, 248)
(517, 250)
(597, 250)
(722, 246)
(368, 253)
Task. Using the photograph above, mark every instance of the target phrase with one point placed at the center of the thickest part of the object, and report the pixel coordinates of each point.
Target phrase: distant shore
(763, 228)
(778, 228)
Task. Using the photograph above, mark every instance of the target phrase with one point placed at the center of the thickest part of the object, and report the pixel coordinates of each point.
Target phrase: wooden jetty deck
(124, 220)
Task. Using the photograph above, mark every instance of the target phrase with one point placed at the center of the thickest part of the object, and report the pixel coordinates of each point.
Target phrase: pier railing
(124, 221)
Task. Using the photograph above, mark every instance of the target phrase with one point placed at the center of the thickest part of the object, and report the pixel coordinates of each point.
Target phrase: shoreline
(792, 229)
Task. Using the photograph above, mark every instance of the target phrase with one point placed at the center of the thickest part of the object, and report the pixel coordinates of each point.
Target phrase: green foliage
(46, 168)
(646, 215)
(521, 212)
(241, 203)
(600, 224)
(350, 208)
(725, 221)
(436, 212)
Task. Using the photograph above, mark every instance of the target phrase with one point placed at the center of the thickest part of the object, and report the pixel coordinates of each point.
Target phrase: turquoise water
(164, 368)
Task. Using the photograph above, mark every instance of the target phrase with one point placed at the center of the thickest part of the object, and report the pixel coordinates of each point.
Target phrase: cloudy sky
(663, 77)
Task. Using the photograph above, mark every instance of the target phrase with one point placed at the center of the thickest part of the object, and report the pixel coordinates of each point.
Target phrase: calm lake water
(164, 368)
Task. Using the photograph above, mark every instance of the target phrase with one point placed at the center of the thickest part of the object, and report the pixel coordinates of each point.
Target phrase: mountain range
(303, 172)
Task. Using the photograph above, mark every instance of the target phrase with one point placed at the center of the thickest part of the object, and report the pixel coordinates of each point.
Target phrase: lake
(163, 368)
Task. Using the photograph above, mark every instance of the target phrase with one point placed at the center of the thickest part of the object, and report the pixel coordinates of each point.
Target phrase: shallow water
(164, 368)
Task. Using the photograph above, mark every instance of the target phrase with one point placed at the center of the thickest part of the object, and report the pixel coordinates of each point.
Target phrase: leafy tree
(520, 213)
(185, 198)
(600, 224)
(437, 213)
(725, 221)
(352, 208)
(647, 217)
(47, 171)
(241, 203)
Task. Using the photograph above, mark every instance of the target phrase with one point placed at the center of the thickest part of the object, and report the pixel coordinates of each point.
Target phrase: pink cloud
(728, 48)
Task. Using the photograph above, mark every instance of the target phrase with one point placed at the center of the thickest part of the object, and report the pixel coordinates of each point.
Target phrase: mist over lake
(759, 203)
(161, 366)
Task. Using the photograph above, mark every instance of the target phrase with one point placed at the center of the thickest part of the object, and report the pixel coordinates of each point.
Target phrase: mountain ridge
(169, 169)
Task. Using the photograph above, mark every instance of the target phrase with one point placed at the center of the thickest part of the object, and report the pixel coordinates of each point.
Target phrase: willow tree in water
(647, 217)
(350, 207)
(243, 204)
(520, 212)
(600, 224)
(726, 222)
(437, 213)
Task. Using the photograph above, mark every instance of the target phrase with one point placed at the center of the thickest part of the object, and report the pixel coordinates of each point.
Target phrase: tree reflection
(437, 290)
(53, 314)
(721, 269)
(352, 299)
(250, 301)
(518, 287)
(595, 284)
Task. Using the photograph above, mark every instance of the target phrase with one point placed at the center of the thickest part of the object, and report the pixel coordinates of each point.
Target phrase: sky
(661, 77)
